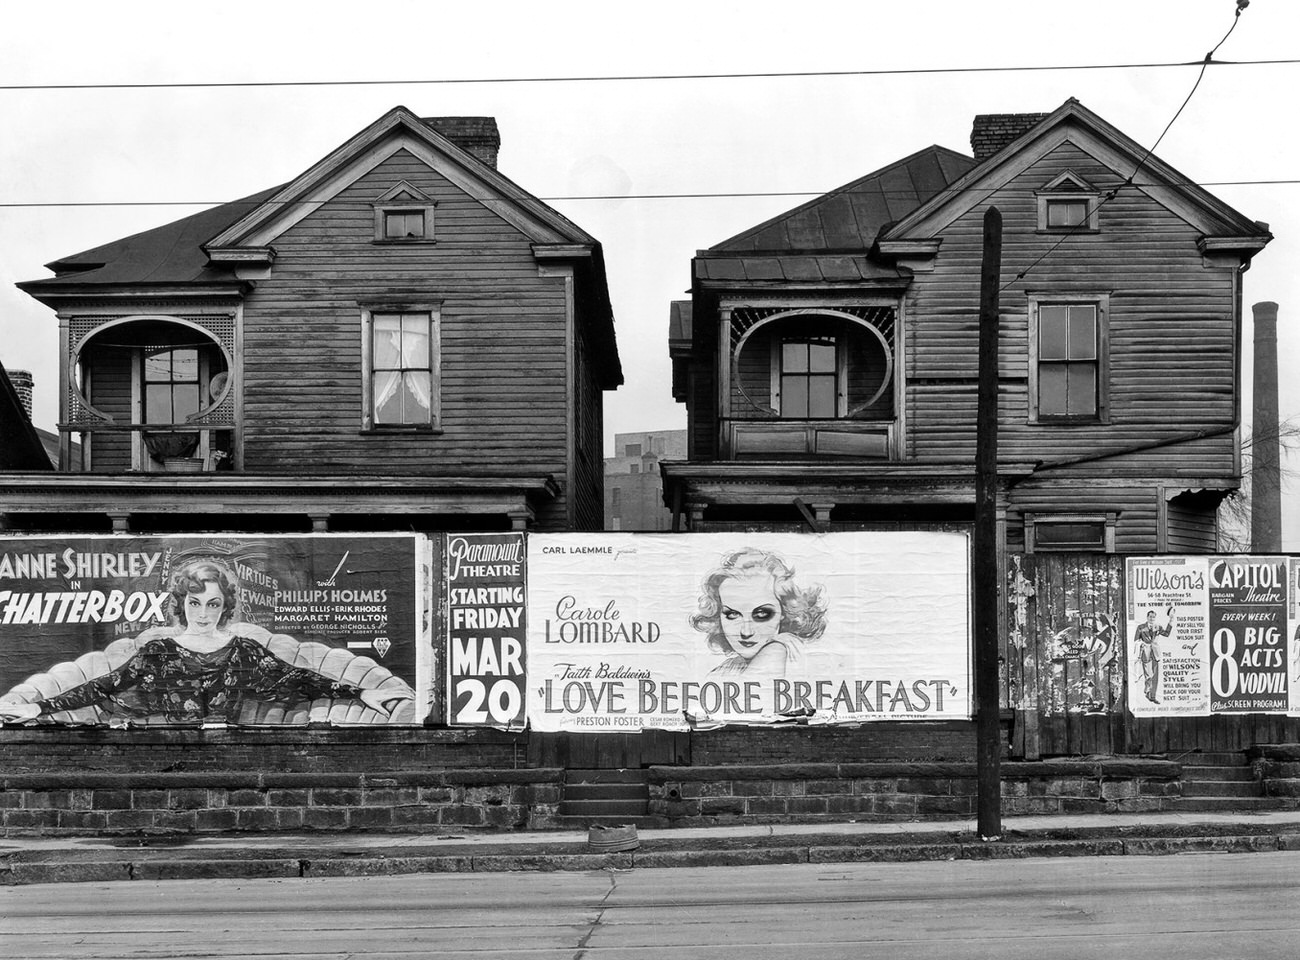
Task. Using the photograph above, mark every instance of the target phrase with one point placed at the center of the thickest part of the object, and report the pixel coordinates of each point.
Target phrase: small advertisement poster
(1207, 634)
(486, 624)
(1167, 629)
(1248, 667)
(634, 631)
(214, 630)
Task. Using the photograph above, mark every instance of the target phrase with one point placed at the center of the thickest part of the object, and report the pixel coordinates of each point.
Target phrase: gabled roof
(399, 129)
(1075, 123)
(178, 252)
(827, 239)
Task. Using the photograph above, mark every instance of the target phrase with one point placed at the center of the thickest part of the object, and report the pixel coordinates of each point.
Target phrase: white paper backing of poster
(618, 638)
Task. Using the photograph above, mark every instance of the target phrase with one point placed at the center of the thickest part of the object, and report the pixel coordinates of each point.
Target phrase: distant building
(634, 490)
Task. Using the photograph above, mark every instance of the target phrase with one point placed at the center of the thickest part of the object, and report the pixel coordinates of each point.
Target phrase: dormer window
(404, 214)
(1068, 204)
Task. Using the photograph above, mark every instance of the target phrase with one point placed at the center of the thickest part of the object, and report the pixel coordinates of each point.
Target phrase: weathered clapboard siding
(588, 436)
(503, 336)
(1171, 342)
(1192, 525)
(1136, 506)
(110, 393)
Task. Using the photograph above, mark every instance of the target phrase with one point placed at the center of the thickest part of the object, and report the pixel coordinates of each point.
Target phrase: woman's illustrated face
(203, 610)
(751, 613)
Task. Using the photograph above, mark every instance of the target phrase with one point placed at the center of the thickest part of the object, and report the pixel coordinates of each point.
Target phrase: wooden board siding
(504, 390)
(1192, 525)
(1171, 331)
(1136, 505)
(110, 393)
(588, 508)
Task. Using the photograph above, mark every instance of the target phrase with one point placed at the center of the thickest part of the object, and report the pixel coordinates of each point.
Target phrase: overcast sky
(805, 134)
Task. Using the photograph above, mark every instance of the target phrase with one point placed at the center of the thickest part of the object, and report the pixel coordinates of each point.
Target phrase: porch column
(724, 378)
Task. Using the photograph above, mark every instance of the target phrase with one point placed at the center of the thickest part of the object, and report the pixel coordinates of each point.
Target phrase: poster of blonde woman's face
(751, 613)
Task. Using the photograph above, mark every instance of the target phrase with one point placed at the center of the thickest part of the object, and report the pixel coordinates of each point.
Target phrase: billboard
(484, 589)
(218, 629)
(1208, 635)
(632, 631)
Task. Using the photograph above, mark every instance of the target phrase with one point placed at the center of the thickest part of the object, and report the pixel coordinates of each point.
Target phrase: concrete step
(603, 809)
(1221, 788)
(606, 791)
(1198, 772)
(1234, 804)
(625, 775)
(1210, 758)
(642, 821)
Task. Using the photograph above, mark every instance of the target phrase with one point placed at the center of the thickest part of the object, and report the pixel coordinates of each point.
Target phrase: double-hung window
(1068, 363)
(809, 378)
(171, 384)
(400, 352)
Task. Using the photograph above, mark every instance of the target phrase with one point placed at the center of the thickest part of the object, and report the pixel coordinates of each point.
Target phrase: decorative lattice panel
(221, 327)
(743, 319)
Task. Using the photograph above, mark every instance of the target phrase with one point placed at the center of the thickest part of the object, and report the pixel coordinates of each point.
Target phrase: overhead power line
(624, 78)
(741, 195)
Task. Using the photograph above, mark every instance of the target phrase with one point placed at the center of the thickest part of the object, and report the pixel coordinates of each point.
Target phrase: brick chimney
(23, 384)
(1265, 444)
(993, 131)
(477, 135)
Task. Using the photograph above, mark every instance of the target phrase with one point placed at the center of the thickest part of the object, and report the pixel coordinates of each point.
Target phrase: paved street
(1184, 907)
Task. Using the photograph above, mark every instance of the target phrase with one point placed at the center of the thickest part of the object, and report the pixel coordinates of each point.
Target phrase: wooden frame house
(399, 338)
(828, 363)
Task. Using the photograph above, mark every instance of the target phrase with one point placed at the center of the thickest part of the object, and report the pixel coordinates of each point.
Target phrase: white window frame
(1071, 189)
(434, 313)
(1102, 303)
(413, 200)
(841, 374)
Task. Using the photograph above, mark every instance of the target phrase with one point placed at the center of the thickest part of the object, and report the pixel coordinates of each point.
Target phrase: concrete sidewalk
(47, 859)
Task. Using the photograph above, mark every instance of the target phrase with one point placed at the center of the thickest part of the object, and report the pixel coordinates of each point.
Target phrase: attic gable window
(1068, 204)
(404, 214)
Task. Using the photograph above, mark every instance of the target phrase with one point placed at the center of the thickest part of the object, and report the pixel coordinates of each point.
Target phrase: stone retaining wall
(1277, 767)
(894, 791)
(100, 803)
(91, 803)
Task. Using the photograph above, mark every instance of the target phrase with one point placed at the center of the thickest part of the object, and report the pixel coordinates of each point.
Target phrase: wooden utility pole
(988, 735)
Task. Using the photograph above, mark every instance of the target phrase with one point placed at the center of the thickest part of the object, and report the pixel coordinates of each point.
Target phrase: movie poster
(484, 581)
(1167, 629)
(215, 630)
(1248, 609)
(1207, 634)
(630, 631)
